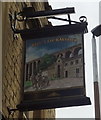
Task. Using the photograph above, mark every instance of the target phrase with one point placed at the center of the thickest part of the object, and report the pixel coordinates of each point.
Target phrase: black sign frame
(63, 97)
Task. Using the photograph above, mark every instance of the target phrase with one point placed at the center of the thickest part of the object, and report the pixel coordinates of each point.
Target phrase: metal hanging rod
(57, 18)
(29, 13)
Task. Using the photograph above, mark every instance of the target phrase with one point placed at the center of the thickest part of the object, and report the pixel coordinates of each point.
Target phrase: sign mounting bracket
(28, 13)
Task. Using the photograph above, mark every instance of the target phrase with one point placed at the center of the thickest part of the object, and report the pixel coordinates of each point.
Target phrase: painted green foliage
(46, 61)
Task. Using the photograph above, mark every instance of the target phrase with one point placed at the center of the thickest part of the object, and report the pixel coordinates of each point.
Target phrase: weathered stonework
(13, 57)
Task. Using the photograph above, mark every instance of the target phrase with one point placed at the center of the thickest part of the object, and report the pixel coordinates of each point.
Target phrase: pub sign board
(54, 67)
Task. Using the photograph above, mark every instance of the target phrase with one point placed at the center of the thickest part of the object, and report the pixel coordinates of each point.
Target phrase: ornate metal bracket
(29, 13)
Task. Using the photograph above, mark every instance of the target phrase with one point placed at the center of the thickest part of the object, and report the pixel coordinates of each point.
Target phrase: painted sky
(45, 47)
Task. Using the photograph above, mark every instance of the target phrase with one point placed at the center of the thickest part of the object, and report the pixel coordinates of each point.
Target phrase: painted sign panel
(54, 63)
(54, 74)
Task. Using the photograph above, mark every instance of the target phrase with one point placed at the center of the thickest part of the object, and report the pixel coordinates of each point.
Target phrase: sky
(36, 48)
(90, 9)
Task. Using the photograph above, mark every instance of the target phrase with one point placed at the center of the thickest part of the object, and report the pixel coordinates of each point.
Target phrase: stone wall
(0, 57)
(13, 57)
(12, 64)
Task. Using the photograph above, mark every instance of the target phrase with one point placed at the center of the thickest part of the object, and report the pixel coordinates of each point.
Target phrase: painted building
(68, 64)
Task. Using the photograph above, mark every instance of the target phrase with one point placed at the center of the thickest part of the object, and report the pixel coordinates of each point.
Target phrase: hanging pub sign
(54, 67)
(54, 71)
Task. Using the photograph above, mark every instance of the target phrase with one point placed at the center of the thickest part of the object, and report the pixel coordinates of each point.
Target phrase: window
(77, 61)
(77, 72)
(30, 69)
(66, 74)
(58, 71)
(66, 64)
(71, 63)
(34, 65)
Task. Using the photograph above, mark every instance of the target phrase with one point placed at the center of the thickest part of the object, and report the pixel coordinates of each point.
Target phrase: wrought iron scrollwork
(83, 19)
(23, 16)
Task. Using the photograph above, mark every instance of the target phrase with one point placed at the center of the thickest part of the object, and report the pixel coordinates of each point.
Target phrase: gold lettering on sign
(54, 40)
